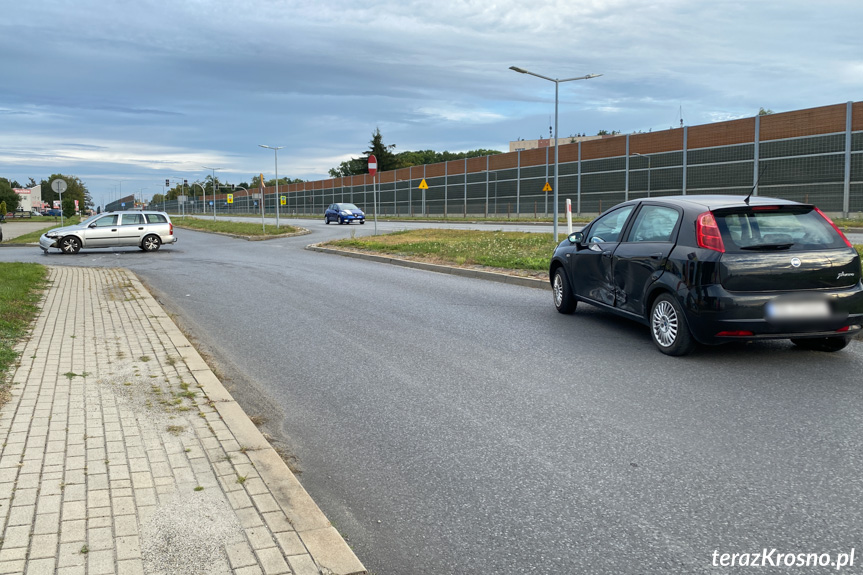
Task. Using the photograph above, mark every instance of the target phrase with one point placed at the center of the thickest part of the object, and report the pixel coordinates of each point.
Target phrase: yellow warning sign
(284, 200)
(230, 198)
(547, 187)
(424, 185)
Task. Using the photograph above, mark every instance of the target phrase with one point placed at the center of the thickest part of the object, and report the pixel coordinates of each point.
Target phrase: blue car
(344, 214)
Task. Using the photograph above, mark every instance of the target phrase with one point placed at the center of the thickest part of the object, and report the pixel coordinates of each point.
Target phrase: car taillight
(838, 231)
(707, 233)
(735, 333)
(170, 229)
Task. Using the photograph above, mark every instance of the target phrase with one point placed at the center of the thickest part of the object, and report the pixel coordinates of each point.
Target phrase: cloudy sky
(125, 94)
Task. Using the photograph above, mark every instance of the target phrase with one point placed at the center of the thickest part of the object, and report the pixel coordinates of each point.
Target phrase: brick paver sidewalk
(121, 452)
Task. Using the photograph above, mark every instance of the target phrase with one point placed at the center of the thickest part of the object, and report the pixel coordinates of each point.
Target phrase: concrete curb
(326, 546)
(452, 270)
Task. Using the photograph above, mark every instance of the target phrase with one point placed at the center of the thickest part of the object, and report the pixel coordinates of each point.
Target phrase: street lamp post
(648, 170)
(557, 82)
(275, 150)
(214, 190)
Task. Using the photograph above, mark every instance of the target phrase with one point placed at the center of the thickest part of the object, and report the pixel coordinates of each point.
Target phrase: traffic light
(232, 186)
(185, 182)
(167, 183)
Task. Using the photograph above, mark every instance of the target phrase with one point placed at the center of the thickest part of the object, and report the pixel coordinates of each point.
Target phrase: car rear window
(156, 218)
(763, 228)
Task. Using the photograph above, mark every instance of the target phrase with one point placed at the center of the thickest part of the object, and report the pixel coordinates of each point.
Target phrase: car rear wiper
(767, 247)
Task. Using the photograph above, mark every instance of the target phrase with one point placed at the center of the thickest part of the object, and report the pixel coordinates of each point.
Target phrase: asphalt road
(453, 425)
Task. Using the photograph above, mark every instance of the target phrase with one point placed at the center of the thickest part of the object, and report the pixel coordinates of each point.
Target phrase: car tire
(362, 221)
(151, 243)
(828, 344)
(564, 301)
(668, 327)
(70, 245)
(327, 220)
(341, 220)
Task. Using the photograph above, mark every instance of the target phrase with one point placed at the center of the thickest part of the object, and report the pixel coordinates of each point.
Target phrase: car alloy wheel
(151, 243)
(70, 245)
(668, 327)
(665, 324)
(564, 301)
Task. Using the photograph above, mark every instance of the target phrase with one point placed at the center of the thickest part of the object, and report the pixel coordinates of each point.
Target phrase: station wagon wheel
(564, 301)
(70, 245)
(668, 327)
(151, 243)
(327, 220)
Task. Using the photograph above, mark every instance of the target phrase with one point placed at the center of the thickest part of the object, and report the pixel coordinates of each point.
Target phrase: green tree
(256, 182)
(2, 209)
(387, 159)
(763, 112)
(68, 206)
(8, 196)
(75, 190)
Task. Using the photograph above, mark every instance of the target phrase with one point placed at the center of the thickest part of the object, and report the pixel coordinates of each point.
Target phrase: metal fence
(813, 155)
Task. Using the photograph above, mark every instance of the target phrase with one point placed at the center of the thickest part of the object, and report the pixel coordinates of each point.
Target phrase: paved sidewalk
(121, 452)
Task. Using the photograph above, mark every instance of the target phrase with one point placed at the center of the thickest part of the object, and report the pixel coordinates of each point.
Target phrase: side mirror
(576, 237)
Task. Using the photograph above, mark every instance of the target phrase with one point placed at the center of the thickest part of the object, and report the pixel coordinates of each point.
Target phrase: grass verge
(33, 237)
(496, 249)
(228, 227)
(21, 287)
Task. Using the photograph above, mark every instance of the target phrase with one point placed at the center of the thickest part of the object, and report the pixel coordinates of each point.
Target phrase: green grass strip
(508, 250)
(229, 227)
(21, 287)
(33, 237)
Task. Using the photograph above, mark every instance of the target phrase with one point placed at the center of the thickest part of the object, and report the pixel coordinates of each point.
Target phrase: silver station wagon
(146, 230)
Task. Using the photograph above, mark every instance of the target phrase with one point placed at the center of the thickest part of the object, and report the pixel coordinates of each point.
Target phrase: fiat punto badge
(795, 262)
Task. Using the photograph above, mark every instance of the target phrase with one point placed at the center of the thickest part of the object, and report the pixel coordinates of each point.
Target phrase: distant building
(30, 198)
(548, 142)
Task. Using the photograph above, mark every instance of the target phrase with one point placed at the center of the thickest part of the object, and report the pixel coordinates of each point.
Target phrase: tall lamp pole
(557, 82)
(275, 150)
(214, 190)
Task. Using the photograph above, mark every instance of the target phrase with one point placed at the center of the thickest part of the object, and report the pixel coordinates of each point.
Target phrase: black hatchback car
(714, 269)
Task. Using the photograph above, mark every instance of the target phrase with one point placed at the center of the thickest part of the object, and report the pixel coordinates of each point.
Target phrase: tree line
(205, 187)
(389, 160)
(75, 190)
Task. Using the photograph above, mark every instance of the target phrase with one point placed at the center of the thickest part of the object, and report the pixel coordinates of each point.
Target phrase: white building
(30, 198)
(548, 142)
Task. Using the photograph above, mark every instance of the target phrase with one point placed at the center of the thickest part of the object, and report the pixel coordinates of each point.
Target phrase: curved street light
(263, 228)
(204, 192)
(275, 149)
(214, 191)
(557, 82)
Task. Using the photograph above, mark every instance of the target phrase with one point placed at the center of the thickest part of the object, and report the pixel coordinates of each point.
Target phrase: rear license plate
(791, 310)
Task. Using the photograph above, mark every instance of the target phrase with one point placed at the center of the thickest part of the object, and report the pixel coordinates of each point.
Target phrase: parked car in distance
(344, 214)
(715, 269)
(145, 229)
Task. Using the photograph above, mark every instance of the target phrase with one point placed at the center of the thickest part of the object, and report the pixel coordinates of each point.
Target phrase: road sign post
(373, 170)
(59, 186)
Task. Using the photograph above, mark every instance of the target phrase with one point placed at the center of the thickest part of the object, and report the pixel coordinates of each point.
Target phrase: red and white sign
(373, 165)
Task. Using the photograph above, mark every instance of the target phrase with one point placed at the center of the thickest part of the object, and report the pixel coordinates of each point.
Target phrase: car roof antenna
(758, 179)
